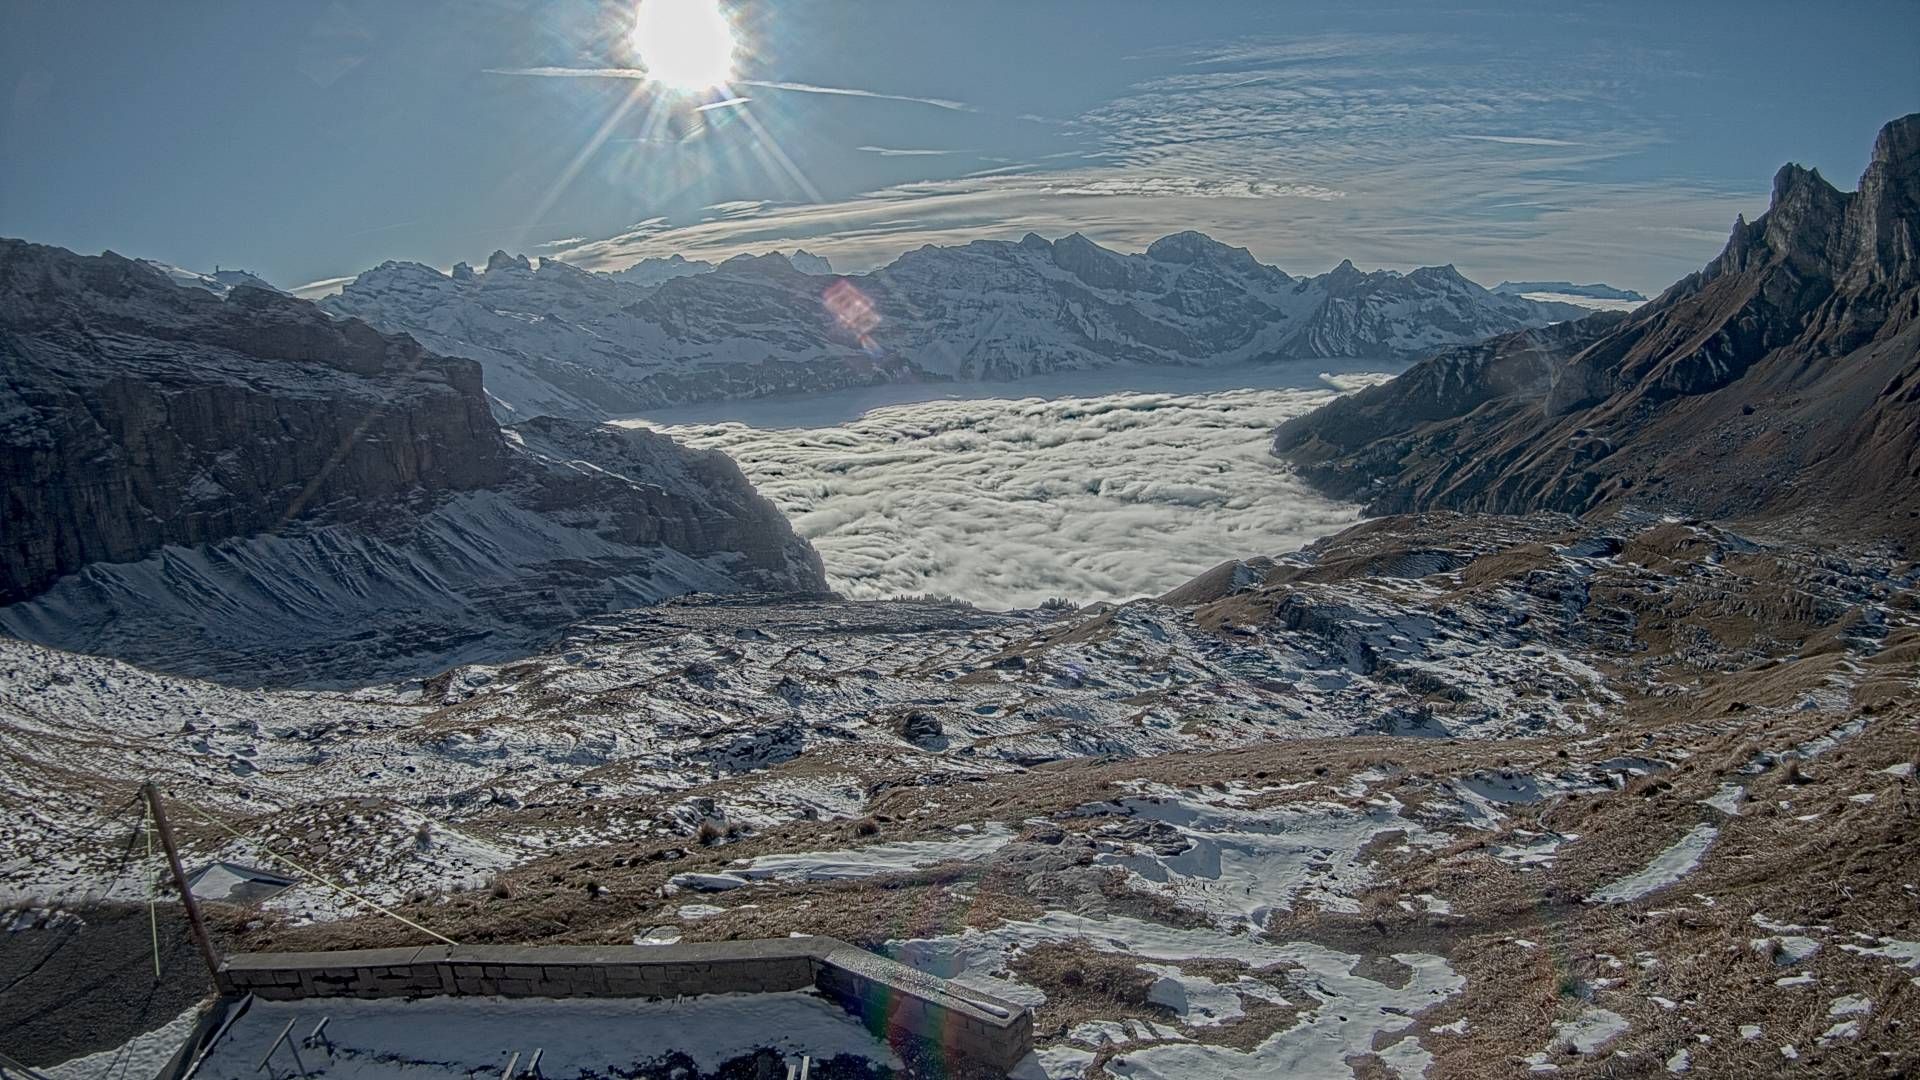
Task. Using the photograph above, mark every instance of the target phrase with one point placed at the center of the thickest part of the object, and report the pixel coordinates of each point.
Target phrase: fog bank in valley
(1006, 502)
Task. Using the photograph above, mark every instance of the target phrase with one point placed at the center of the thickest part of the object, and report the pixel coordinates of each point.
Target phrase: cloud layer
(1006, 502)
(1390, 149)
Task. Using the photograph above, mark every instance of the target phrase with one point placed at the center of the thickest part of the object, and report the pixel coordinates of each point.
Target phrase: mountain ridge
(246, 487)
(1781, 380)
(561, 340)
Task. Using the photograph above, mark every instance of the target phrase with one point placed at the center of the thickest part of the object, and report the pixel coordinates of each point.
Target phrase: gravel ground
(82, 982)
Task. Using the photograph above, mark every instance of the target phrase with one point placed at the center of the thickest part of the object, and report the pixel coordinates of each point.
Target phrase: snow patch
(877, 859)
(1240, 866)
(143, 1055)
(1341, 1012)
(1727, 799)
(1585, 1034)
(1666, 868)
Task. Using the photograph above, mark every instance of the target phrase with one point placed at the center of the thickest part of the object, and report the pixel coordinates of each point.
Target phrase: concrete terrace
(424, 1011)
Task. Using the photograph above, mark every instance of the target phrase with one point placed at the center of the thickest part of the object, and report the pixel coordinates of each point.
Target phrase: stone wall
(894, 1001)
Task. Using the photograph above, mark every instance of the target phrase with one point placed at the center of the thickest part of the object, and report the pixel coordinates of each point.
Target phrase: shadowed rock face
(251, 489)
(138, 414)
(1779, 380)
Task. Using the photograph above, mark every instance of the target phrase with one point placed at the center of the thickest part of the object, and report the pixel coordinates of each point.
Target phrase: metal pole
(180, 878)
(284, 1032)
(153, 906)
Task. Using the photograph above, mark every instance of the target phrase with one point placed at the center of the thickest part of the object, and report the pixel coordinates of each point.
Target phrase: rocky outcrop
(1349, 447)
(1778, 381)
(648, 490)
(138, 414)
(557, 340)
(251, 489)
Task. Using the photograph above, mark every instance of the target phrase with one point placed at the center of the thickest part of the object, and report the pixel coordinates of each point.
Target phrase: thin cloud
(563, 242)
(894, 151)
(637, 74)
(313, 290)
(730, 103)
(841, 91)
(1194, 187)
(640, 74)
(738, 208)
(1520, 140)
(1374, 146)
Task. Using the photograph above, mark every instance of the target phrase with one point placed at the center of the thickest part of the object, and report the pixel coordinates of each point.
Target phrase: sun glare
(684, 44)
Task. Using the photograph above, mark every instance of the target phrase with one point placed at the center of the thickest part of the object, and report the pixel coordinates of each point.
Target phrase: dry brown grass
(1843, 869)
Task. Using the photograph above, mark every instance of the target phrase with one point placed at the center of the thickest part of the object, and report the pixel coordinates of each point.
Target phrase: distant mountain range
(649, 272)
(1782, 380)
(559, 340)
(1566, 288)
(243, 486)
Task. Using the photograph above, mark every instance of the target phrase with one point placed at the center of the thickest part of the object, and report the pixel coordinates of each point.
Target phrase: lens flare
(852, 309)
(685, 45)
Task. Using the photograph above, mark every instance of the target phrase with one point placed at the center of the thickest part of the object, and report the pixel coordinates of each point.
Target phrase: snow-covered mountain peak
(1192, 247)
(219, 282)
(500, 260)
(660, 270)
(808, 263)
(649, 272)
(396, 272)
(1444, 274)
(561, 340)
(773, 262)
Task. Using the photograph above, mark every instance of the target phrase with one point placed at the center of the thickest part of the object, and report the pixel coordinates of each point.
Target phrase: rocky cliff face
(249, 488)
(557, 340)
(1779, 380)
(139, 414)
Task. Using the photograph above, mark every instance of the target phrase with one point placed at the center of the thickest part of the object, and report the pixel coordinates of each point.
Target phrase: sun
(684, 44)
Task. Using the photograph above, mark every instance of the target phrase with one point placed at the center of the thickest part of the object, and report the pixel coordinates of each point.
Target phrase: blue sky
(1597, 141)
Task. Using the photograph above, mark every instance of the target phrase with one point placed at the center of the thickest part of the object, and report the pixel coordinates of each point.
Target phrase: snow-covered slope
(219, 282)
(559, 340)
(248, 489)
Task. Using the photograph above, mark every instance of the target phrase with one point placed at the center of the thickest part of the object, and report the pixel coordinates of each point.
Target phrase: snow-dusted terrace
(462, 1037)
(693, 1007)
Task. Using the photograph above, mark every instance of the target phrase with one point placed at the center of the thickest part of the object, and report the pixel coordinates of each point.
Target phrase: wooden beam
(207, 952)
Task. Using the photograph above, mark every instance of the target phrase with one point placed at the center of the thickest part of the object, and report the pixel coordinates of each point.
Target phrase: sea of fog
(1089, 486)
